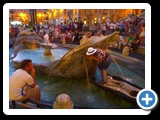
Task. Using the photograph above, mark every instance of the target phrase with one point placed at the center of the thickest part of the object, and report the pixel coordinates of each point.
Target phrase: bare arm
(136, 41)
(34, 78)
(91, 57)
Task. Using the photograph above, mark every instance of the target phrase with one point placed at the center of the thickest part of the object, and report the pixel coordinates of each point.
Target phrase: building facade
(87, 16)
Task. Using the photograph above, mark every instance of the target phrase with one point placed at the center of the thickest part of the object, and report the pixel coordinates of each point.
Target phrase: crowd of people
(73, 32)
(23, 83)
(132, 28)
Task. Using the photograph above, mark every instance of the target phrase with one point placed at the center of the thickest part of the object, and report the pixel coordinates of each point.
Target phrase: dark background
(155, 80)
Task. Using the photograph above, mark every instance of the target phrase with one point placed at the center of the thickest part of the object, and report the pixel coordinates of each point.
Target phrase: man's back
(17, 83)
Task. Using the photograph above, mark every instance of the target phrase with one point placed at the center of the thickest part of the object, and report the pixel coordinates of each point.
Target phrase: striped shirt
(102, 55)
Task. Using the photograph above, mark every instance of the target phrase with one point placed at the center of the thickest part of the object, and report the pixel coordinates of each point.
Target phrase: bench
(31, 104)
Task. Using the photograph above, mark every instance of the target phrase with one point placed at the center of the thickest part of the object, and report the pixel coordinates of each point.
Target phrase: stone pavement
(133, 56)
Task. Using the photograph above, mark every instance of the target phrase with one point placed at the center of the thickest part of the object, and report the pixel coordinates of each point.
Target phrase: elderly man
(120, 42)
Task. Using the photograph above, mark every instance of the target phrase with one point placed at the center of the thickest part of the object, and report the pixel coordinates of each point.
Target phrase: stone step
(140, 50)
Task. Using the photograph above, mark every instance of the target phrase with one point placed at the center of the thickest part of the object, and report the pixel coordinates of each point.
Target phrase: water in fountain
(127, 75)
(37, 55)
(51, 87)
(76, 89)
(87, 77)
(118, 67)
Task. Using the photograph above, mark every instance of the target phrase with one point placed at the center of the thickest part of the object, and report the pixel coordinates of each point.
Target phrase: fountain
(67, 68)
(47, 48)
(72, 62)
(25, 40)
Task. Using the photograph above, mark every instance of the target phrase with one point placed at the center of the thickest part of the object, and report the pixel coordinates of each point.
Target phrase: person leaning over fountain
(103, 58)
(22, 83)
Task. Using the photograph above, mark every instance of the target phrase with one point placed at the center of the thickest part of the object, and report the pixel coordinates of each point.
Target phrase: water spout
(87, 75)
(122, 75)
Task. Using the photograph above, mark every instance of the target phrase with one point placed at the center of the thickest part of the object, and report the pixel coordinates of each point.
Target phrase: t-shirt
(112, 26)
(121, 39)
(102, 55)
(17, 83)
(130, 39)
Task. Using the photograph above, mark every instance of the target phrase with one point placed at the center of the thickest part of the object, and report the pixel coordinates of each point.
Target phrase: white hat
(90, 51)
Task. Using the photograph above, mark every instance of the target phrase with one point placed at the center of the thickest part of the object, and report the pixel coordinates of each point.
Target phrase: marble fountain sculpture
(72, 63)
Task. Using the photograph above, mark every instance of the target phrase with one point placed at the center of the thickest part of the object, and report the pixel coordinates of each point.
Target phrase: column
(33, 15)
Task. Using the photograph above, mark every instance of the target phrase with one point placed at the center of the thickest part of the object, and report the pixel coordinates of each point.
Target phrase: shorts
(31, 93)
(104, 64)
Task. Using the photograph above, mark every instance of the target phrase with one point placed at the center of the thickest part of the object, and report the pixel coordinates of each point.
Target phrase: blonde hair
(63, 101)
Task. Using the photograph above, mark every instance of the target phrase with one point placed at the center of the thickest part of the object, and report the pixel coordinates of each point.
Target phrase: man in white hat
(102, 57)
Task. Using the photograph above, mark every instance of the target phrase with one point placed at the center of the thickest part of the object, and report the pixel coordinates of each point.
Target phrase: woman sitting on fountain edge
(103, 58)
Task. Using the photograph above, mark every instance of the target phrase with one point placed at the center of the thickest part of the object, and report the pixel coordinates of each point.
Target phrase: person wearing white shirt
(22, 85)
(120, 42)
(111, 27)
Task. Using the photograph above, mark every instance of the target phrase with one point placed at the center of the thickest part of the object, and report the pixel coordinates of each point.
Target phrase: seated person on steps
(120, 42)
(133, 42)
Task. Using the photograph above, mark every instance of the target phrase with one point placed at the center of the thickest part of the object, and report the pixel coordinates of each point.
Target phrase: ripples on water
(51, 87)
(38, 57)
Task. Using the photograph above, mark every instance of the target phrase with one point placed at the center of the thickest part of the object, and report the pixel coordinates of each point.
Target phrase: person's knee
(37, 87)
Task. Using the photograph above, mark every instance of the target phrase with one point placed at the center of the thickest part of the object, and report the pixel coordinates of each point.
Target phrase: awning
(16, 23)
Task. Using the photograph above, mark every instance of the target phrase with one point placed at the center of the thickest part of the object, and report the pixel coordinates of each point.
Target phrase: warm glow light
(85, 22)
(22, 15)
(61, 11)
(55, 13)
(95, 20)
(39, 15)
(128, 11)
(50, 15)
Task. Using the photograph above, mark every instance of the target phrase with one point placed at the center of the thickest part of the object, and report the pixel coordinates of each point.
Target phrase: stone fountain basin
(41, 62)
(74, 63)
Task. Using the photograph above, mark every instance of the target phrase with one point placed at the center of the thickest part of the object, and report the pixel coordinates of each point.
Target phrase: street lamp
(95, 20)
(22, 16)
(85, 22)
